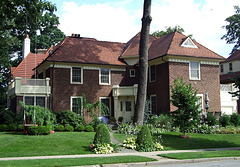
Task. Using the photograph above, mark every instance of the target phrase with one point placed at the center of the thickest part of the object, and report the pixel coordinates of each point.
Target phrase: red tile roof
(25, 68)
(234, 56)
(87, 50)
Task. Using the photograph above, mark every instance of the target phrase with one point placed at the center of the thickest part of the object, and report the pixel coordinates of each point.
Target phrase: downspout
(52, 85)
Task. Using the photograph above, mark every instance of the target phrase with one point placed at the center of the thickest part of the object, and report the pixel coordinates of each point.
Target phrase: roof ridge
(170, 44)
(130, 44)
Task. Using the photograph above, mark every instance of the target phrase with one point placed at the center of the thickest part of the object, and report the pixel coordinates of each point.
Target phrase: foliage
(69, 128)
(80, 128)
(38, 130)
(162, 121)
(69, 117)
(130, 129)
(3, 127)
(224, 120)
(59, 127)
(167, 31)
(7, 117)
(235, 119)
(130, 142)
(236, 81)
(43, 116)
(209, 119)
(12, 127)
(102, 135)
(20, 128)
(233, 29)
(89, 128)
(101, 148)
(184, 97)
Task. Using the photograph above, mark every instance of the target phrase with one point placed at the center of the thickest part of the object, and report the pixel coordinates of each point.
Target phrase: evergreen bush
(20, 127)
(89, 128)
(102, 135)
(3, 127)
(38, 130)
(12, 127)
(59, 127)
(69, 128)
(224, 120)
(235, 119)
(144, 140)
(80, 128)
(210, 119)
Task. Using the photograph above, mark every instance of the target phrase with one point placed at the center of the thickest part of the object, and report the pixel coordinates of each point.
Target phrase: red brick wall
(209, 82)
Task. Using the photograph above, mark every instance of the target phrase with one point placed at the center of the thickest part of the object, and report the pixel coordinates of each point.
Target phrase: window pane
(40, 101)
(76, 74)
(29, 100)
(76, 105)
(104, 75)
(153, 73)
(128, 106)
(194, 69)
(106, 106)
(153, 104)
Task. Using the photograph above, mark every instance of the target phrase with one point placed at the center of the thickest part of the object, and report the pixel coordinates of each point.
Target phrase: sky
(120, 20)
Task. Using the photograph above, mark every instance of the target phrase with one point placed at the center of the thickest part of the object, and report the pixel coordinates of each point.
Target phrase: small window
(77, 104)
(152, 73)
(104, 76)
(107, 105)
(194, 71)
(230, 67)
(221, 68)
(153, 100)
(76, 75)
(121, 105)
(132, 73)
(189, 43)
(128, 106)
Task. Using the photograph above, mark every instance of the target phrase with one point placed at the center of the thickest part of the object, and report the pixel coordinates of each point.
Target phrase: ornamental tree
(184, 97)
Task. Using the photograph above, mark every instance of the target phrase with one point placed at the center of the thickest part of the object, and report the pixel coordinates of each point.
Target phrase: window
(194, 70)
(107, 105)
(35, 100)
(153, 100)
(132, 72)
(189, 43)
(221, 68)
(230, 67)
(104, 76)
(128, 106)
(200, 101)
(121, 105)
(152, 73)
(76, 104)
(77, 75)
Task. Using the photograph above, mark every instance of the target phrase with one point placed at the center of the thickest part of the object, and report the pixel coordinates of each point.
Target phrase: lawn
(59, 143)
(174, 141)
(76, 161)
(205, 154)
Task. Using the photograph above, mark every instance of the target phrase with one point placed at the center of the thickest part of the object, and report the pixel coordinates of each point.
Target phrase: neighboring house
(229, 104)
(108, 72)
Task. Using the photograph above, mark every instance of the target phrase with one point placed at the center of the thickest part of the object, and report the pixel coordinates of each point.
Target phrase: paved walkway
(126, 152)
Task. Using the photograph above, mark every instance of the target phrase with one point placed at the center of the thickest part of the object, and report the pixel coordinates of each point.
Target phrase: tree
(167, 31)
(184, 97)
(233, 29)
(143, 63)
(18, 18)
(236, 80)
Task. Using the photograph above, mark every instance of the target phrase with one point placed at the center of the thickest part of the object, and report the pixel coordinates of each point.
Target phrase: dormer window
(188, 43)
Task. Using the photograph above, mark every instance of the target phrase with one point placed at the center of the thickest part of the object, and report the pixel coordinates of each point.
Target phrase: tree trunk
(143, 64)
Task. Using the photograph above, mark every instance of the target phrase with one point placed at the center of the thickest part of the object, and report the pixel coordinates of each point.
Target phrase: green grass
(76, 161)
(205, 154)
(59, 143)
(173, 140)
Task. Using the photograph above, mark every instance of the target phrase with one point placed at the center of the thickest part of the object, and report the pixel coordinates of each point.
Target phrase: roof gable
(235, 56)
(188, 43)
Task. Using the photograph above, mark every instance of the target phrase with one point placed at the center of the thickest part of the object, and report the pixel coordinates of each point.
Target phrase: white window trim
(184, 44)
(201, 95)
(199, 67)
(35, 99)
(153, 95)
(72, 97)
(100, 98)
(81, 75)
(100, 83)
(132, 76)
(150, 76)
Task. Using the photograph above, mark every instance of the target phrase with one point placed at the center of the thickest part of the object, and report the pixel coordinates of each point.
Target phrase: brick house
(108, 72)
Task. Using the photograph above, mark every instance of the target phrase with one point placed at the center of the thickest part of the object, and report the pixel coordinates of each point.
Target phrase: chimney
(26, 46)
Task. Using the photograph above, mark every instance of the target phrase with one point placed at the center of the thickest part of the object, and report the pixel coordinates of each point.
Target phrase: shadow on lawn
(176, 142)
(14, 133)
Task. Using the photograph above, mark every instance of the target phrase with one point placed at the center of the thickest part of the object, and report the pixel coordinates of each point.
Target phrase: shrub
(12, 127)
(59, 128)
(89, 128)
(235, 119)
(38, 130)
(129, 129)
(69, 117)
(20, 127)
(7, 117)
(210, 119)
(69, 128)
(162, 121)
(95, 122)
(144, 140)
(224, 120)
(80, 128)
(3, 127)
(130, 142)
(102, 135)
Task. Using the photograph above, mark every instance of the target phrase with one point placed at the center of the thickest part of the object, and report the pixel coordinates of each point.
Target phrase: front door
(127, 108)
